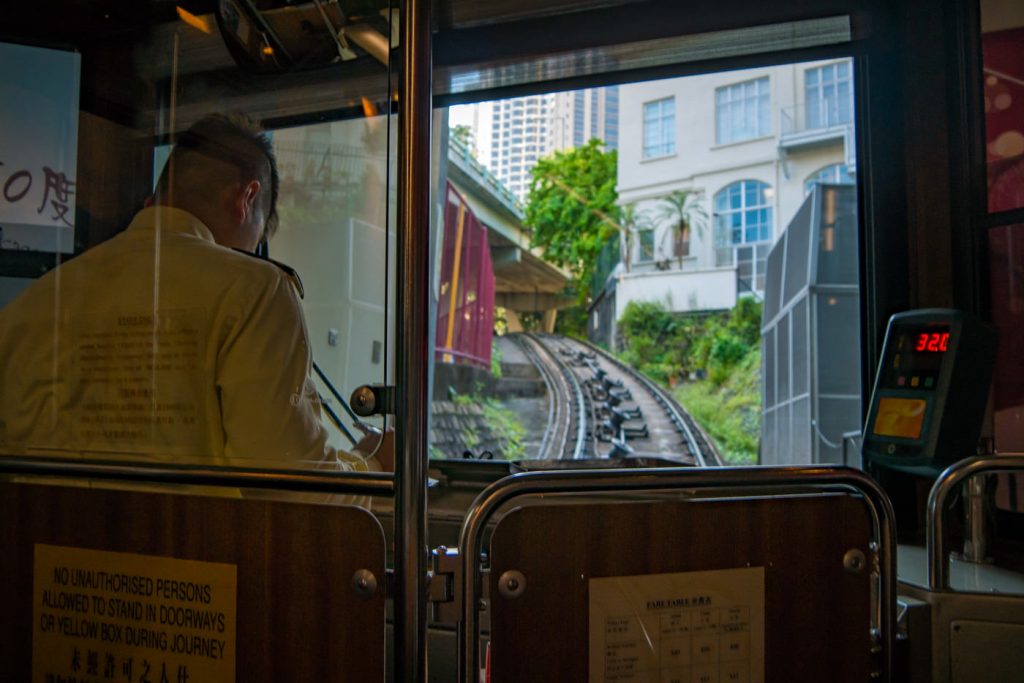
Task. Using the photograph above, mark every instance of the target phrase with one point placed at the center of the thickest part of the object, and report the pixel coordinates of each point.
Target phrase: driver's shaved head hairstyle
(216, 152)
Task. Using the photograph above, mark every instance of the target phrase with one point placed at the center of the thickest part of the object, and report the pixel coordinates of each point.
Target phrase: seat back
(747, 589)
(104, 584)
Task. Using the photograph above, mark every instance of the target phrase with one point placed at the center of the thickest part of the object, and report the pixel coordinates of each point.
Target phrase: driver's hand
(379, 446)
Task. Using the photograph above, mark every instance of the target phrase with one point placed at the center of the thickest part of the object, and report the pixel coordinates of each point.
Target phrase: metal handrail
(360, 483)
(607, 481)
(938, 558)
(412, 362)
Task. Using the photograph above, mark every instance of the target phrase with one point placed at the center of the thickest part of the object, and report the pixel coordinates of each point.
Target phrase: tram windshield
(656, 272)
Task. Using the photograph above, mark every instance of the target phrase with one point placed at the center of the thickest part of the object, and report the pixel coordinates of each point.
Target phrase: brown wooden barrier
(291, 599)
(816, 592)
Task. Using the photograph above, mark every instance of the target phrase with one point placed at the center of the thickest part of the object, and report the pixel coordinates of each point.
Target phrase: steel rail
(777, 479)
(558, 416)
(938, 558)
(361, 483)
(569, 377)
(700, 447)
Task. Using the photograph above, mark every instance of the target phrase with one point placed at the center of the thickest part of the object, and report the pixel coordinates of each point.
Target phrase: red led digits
(935, 342)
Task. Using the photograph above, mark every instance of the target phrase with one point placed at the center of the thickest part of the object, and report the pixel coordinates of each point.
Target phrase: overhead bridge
(524, 281)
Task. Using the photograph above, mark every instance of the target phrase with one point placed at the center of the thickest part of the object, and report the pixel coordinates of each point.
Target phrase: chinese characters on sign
(56, 191)
(103, 616)
(38, 147)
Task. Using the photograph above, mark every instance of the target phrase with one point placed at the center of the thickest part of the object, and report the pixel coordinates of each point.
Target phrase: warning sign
(102, 616)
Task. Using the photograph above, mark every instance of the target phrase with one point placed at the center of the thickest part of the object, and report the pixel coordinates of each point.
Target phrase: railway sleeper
(613, 426)
(620, 448)
(631, 413)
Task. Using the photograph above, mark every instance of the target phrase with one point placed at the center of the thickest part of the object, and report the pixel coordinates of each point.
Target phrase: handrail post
(938, 559)
(411, 357)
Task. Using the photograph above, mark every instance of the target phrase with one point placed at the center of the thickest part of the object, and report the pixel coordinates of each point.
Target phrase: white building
(748, 143)
(519, 137)
(579, 115)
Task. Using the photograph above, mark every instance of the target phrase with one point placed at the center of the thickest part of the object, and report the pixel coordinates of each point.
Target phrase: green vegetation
(729, 412)
(714, 362)
(496, 357)
(505, 428)
(500, 426)
(571, 210)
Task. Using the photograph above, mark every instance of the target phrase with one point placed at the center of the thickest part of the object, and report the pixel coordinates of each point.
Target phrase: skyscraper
(524, 129)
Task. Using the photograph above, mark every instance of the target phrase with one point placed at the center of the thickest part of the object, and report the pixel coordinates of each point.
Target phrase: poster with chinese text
(38, 147)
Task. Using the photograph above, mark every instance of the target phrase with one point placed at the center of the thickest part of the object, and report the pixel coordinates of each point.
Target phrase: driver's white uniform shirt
(162, 344)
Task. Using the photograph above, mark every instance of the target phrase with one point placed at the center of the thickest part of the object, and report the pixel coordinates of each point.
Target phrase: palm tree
(631, 221)
(685, 210)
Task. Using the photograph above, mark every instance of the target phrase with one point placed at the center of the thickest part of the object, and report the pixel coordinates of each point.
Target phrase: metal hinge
(373, 399)
(445, 579)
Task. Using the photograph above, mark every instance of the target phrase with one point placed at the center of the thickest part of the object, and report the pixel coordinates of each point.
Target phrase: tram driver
(172, 340)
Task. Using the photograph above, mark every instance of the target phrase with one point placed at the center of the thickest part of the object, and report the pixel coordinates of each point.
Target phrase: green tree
(685, 211)
(461, 133)
(571, 210)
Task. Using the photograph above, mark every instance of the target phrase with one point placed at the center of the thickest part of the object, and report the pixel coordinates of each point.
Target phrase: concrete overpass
(524, 281)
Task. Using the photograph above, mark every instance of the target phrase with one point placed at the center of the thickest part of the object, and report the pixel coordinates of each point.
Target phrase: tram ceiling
(326, 58)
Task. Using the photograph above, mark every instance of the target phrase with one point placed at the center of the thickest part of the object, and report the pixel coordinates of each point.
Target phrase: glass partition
(196, 230)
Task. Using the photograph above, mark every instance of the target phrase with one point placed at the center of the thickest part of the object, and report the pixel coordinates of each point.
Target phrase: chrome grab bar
(360, 483)
(606, 481)
(938, 558)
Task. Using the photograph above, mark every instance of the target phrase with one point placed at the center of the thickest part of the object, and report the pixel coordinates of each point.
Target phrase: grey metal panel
(836, 234)
(835, 417)
(802, 452)
(798, 251)
(773, 280)
(768, 446)
(801, 348)
(784, 363)
(784, 451)
(838, 344)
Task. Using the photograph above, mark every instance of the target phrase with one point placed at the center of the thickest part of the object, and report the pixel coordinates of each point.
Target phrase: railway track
(600, 407)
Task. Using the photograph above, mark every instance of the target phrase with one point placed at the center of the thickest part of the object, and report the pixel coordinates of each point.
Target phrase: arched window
(743, 230)
(836, 174)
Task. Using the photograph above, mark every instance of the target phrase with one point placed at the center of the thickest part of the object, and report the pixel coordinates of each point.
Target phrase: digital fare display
(900, 417)
(931, 342)
(915, 356)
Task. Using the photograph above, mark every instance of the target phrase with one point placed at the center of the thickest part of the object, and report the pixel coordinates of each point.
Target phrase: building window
(660, 128)
(577, 118)
(836, 174)
(743, 231)
(829, 94)
(742, 111)
(645, 246)
(611, 117)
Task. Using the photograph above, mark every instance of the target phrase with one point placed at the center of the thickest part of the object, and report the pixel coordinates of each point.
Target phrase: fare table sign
(101, 616)
(688, 627)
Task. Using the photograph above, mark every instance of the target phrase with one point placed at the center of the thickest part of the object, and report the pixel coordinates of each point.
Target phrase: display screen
(914, 357)
(900, 417)
(931, 342)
